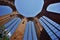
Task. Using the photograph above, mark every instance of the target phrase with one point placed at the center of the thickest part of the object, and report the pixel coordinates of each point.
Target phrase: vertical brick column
(4, 19)
(38, 27)
(19, 33)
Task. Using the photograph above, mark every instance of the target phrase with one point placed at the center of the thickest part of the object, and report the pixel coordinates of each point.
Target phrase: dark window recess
(23, 22)
(36, 22)
(11, 15)
(14, 37)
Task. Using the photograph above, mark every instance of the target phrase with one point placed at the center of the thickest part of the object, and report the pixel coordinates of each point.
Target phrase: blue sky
(54, 8)
(29, 8)
(5, 10)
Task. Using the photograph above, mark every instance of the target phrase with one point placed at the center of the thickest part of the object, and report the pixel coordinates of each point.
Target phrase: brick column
(4, 19)
(19, 33)
(38, 27)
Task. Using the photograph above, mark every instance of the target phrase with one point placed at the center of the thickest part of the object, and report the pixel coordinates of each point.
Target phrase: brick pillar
(4, 19)
(19, 33)
(38, 27)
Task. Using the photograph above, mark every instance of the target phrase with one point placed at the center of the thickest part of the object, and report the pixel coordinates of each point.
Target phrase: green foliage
(2, 27)
(3, 36)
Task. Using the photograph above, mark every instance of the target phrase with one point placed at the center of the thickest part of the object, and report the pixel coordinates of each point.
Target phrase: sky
(29, 8)
(5, 10)
(54, 8)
